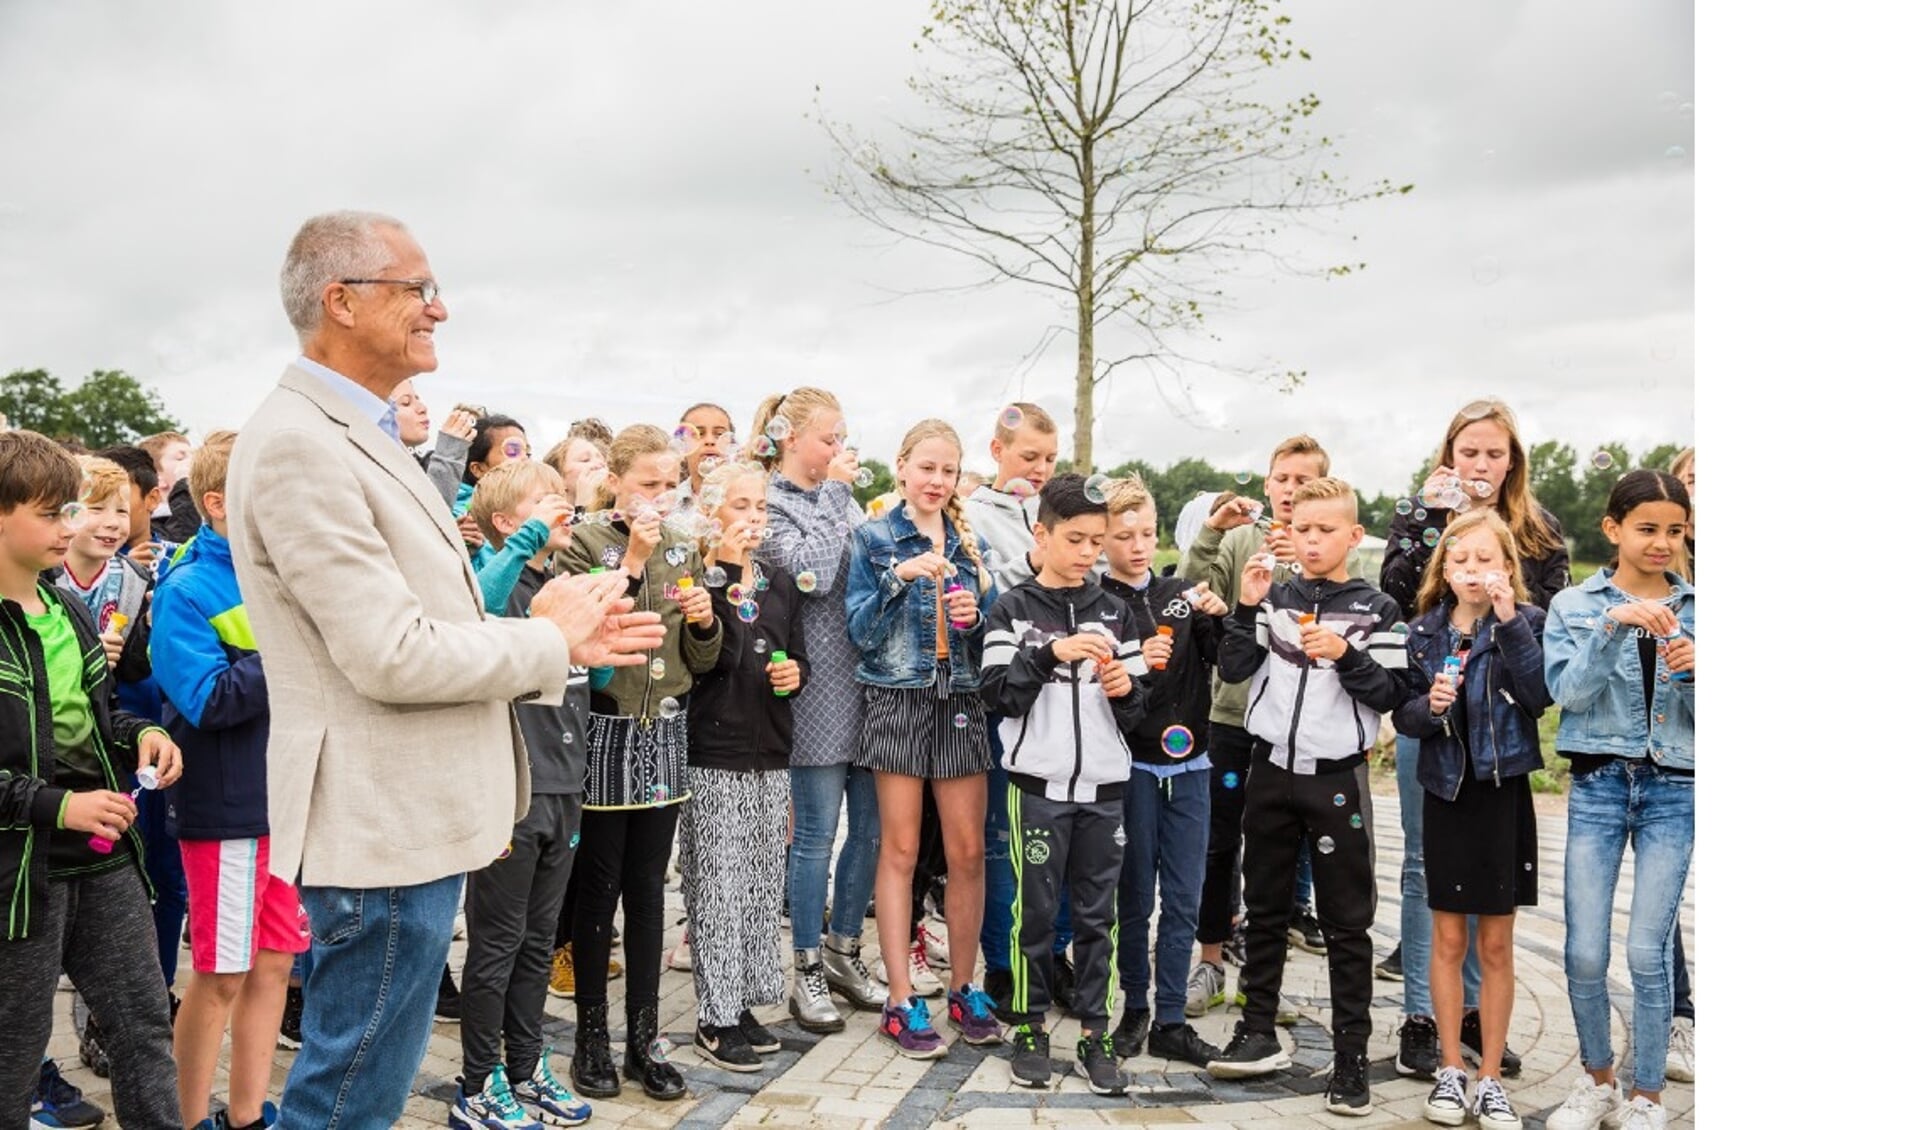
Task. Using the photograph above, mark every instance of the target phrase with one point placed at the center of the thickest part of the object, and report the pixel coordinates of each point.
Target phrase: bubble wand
(147, 777)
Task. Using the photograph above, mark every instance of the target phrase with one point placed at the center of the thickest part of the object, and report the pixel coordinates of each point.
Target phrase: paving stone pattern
(854, 1080)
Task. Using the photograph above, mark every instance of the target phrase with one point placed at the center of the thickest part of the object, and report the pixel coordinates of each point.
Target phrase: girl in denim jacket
(1619, 660)
(916, 598)
(1475, 654)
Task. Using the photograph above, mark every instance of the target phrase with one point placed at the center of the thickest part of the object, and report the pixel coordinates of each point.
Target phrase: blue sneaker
(57, 1102)
(494, 1108)
(269, 1118)
(547, 1099)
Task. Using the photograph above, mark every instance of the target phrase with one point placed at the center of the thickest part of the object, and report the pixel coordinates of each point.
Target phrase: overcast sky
(624, 206)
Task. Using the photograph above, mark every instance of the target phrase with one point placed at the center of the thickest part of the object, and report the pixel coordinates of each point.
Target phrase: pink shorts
(235, 909)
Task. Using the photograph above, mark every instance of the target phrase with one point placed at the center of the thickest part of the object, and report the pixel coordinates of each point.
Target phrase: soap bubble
(842, 529)
(1430, 537)
(1357, 822)
(1254, 511)
(749, 611)
(863, 478)
(669, 708)
(715, 577)
(1177, 741)
(1019, 488)
(1419, 515)
(760, 582)
(735, 593)
(73, 515)
(1242, 477)
(610, 556)
(684, 440)
(659, 1049)
(1602, 459)
(1339, 800)
(1263, 561)
(1405, 543)
(657, 668)
(764, 447)
(759, 647)
(1011, 417)
(1295, 568)
(961, 721)
(1095, 489)
(1481, 487)
(1403, 507)
(712, 496)
(807, 581)
(1230, 780)
(1325, 845)
(709, 465)
(676, 555)
(1130, 518)
(778, 428)
(1675, 152)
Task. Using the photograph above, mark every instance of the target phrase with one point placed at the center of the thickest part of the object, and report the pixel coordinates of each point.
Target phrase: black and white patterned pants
(734, 854)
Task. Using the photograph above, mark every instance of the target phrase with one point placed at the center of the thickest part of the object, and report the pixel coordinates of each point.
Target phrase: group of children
(998, 687)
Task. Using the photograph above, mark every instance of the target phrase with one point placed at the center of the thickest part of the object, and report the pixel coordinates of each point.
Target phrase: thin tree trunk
(1083, 379)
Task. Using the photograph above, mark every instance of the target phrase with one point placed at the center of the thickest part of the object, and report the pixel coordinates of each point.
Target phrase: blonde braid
(969, 542)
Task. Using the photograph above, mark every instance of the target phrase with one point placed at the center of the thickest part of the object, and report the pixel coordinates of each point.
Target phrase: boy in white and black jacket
(1059, 665)
(1326, 654)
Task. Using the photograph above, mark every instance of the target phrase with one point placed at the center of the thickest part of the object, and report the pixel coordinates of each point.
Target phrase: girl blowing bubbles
(1476, 654)
(919, 638)
(1619, 660)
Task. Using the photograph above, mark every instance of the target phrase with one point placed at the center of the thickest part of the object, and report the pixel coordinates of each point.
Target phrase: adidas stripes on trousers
(1073, 850)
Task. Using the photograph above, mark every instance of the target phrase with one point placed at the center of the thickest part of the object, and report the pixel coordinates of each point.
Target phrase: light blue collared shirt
(381, 412)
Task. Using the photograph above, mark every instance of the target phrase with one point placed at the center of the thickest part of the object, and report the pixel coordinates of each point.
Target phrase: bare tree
(1109, 151)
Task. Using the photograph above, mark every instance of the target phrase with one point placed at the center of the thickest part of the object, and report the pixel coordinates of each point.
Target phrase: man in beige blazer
(394, 765)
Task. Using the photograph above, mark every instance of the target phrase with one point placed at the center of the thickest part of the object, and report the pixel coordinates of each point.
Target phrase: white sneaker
(1679, 1050)
(1490, 1105)
(932, 935)
(926, 981)
(1643, 1114)
(1446, 1105)
(459, 925)
(1587, 1106)
(1205, 988)
(682, 956)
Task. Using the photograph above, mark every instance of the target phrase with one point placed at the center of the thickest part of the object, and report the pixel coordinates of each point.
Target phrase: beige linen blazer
(393, 758)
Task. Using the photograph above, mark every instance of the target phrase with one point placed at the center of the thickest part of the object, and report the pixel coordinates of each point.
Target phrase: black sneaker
(93, 1048)
(1418, 1047)
(1130, 1037)
(1347, 1092)
(1032, 1056)
(290, 1019)
(1062, 983)
(1304, 931)
(448, 1006)
(1180, 1042)
(1249, 1054)
(999, 986)
(726, 1048)
(1390, 969)
(1469, 1040)
(1100, 1066)
(758, 1036)
(1234, 948)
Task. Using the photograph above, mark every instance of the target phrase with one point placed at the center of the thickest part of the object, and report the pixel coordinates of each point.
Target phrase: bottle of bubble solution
(1165, 630)
(1677, 676)
(778, 657)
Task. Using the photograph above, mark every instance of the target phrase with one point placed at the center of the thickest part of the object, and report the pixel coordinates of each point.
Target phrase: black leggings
(623, 854)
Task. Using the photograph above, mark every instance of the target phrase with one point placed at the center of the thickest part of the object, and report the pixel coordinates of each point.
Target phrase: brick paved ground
(852, 1080)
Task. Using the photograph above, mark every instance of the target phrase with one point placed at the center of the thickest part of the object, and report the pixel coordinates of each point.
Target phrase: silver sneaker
(847, 975)
(812, 1003)
(1205, 988)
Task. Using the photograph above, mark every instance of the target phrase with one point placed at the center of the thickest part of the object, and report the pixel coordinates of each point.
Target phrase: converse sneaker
(1491, 1107)
(1032, 1056)
(1346, 1091)
(493, 1107)
(1679, 1050)
(1418, 1047)
(1446, 1104)
(970, 1010)
(1205, 989)
(543, 1096)
(1099, 1065)
(1179, 1042)
(909, 1026)
(726, 1048)
(1643, 1114)
(1587, 1105)
(1249, 1054)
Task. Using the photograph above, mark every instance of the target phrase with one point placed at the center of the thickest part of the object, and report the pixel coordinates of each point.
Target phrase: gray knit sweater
(811, 531)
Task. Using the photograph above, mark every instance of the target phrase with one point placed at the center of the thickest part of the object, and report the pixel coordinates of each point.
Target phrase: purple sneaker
(912, 1030)
(971, 1011)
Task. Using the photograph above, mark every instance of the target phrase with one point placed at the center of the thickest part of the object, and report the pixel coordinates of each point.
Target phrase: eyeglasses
(427, 289)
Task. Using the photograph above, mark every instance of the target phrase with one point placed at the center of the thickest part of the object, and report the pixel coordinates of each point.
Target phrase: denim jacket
(1592, 669)
(1503, 694)
(891, 621)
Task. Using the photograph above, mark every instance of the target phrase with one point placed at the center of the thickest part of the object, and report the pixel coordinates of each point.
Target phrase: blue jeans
(169, 879)
(817, 790)
(373, 980)
(1620, 802)
(1415, 914)
(996, 922)
(1166, 824)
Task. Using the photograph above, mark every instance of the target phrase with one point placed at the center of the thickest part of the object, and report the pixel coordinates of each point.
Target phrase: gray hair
(328, 248)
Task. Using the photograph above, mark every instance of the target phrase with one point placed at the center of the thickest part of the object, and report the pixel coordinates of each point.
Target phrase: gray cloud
(623, 202)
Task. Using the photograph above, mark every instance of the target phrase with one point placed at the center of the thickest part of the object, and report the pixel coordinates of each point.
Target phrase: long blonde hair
(798, 408)
(953, 510)
(1432, 585)
(1516, 504)
(715, 486)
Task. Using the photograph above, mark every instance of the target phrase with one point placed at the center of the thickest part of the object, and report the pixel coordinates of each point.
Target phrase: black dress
(1482, 847)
